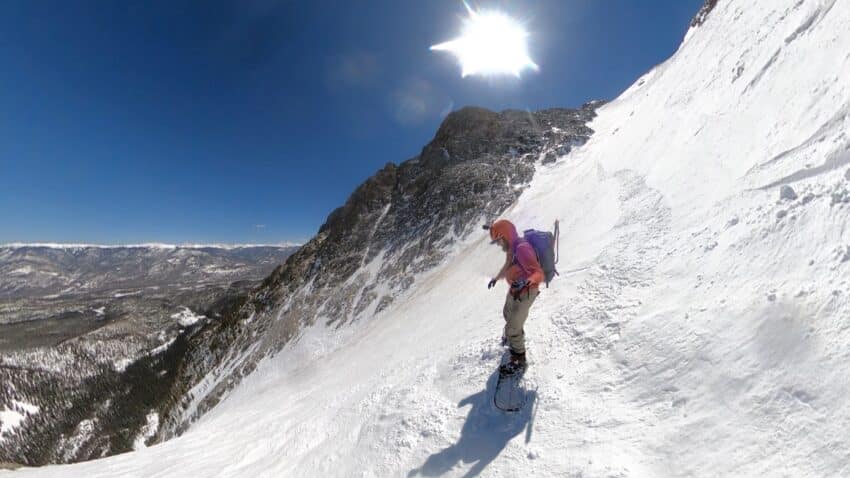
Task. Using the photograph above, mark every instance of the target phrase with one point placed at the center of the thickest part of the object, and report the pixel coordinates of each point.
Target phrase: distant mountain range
(60, 270)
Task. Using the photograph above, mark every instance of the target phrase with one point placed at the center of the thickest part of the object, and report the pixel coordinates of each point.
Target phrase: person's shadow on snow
(484, 435)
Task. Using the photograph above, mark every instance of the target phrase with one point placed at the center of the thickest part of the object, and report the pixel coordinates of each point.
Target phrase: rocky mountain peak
(703, 12)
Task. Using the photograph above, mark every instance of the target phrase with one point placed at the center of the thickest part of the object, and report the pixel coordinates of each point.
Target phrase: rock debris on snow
(787, 193)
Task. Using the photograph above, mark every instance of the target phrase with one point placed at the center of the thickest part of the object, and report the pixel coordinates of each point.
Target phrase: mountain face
(402, 221)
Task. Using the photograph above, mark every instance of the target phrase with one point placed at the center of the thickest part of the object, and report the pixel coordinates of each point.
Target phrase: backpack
(545, 244)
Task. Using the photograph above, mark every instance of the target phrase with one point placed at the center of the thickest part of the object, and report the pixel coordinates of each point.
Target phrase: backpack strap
(513, 254)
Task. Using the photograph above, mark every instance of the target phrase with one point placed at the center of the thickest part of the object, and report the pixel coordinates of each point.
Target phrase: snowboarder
(524, 274)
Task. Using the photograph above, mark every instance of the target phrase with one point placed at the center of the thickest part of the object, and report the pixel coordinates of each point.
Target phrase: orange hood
(503, 229)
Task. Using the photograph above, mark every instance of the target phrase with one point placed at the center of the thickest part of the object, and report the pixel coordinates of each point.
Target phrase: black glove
(517, 288)
(492, 283)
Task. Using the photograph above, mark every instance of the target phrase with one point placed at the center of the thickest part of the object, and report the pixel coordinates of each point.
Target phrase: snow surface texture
(699, 328)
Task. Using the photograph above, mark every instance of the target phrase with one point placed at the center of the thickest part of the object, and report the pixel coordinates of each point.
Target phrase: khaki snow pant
(515, 312)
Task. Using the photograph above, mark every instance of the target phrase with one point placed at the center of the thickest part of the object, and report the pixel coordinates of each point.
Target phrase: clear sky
(250, 120)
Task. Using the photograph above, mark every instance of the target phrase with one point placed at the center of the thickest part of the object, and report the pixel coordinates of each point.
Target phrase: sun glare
(491, 43)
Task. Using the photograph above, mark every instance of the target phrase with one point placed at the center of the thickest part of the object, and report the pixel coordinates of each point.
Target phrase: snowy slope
(700, 327)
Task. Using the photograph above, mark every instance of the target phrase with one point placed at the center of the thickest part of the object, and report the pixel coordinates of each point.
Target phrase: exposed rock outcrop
(703, 12)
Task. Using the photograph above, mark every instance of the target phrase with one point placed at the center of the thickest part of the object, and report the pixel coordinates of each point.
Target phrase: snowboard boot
(516, 364)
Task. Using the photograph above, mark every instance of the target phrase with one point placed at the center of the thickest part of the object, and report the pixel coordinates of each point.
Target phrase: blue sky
(249, 121)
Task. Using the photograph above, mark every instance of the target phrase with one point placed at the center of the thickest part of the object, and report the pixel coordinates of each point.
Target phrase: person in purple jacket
(523, 273)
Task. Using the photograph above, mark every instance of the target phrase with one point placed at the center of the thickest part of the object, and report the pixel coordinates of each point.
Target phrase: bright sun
(491, 43)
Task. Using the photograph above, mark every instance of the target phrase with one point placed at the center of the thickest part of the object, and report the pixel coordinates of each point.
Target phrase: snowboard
(511, 394)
